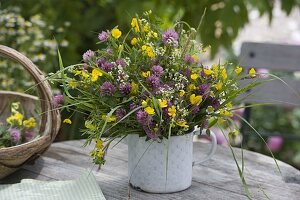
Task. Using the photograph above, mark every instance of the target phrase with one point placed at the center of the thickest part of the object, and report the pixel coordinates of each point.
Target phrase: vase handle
(213, 147)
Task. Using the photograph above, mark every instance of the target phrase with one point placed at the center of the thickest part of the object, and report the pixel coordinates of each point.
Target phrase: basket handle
(50, 115)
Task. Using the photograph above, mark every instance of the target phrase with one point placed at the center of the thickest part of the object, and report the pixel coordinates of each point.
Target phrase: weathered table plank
(215, 179)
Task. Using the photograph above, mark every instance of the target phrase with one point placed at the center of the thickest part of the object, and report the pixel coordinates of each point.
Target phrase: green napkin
(85, 188)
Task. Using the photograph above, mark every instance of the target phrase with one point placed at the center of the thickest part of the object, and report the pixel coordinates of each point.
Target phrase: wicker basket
(12, 158)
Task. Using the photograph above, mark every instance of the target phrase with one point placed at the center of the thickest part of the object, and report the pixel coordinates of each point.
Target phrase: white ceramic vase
(153, 168)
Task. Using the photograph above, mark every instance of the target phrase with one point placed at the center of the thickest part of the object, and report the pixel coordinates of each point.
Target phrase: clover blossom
(107, 89)
(88, 55)
(103, 36)
(170, 37)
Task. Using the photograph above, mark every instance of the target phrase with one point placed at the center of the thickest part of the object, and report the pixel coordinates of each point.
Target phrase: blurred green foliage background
(76, 24)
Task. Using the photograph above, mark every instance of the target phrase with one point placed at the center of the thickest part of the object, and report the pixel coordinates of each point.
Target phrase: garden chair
(276, 58)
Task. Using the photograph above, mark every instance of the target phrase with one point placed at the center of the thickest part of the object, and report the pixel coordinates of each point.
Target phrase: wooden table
(216, 179)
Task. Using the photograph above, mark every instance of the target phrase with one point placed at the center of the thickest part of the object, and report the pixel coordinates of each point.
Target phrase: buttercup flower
(95, 74)
(252, 72)
(195, 100)
(238, 70)
(172, 111)
(67, 121)
(29, 123)
(135, 24)
(116, 33)
(149, 110)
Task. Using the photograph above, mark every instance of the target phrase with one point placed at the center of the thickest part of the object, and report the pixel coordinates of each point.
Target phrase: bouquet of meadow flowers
(17, 130)
(150, 81)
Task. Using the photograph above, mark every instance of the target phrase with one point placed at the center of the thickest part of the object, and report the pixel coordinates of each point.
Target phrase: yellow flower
(149, 110)
(238, 70)
(135, 24)
(146, 74)
(207, 71)
(181, 92)
(148, 51)
(172, 111)
(100, 153)
(15, 118)
(73, 84)
(90, 126)
(195, 58)
(229, 105)
(134, 41)
(195, 100)
(215, 68)
(163, 103)
(77, 72)
(226, 113)
(95, 74)
(224, 74)
(67, 121)
(194, 76)
(219, 86)
(252, 72)
(110, 119)
(134, 88)
(99, 144)
(29, 123)
(144, 103)
(84, 74)
(146, 28)
(116, 33)
(192, 87)
(182, 123)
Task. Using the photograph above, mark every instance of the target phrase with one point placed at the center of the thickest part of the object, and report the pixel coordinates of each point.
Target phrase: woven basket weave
(12, 158)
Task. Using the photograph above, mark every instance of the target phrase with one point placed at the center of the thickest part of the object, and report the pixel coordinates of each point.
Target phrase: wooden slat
(274, 91)
(215, 179)
(270, 56)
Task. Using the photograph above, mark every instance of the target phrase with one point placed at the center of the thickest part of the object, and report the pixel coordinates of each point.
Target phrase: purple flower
(107, 66)
(58, 100)
(121, 62)
(120, 113)
(215, 103)
(157, 70)
(29, 135)
(109, 51)
(186, 72)
(195, 109)
(85, 67)
(107, 89)
(204, 124)
(150, 132)
(203, 88)
(100, 62)
(142, 117)
(103, 36)
(153, 81)
(133, 106)
(275, 143)
(170, 37)
(15, 135)
(125, 88)
(189, 59)
(88, 55)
